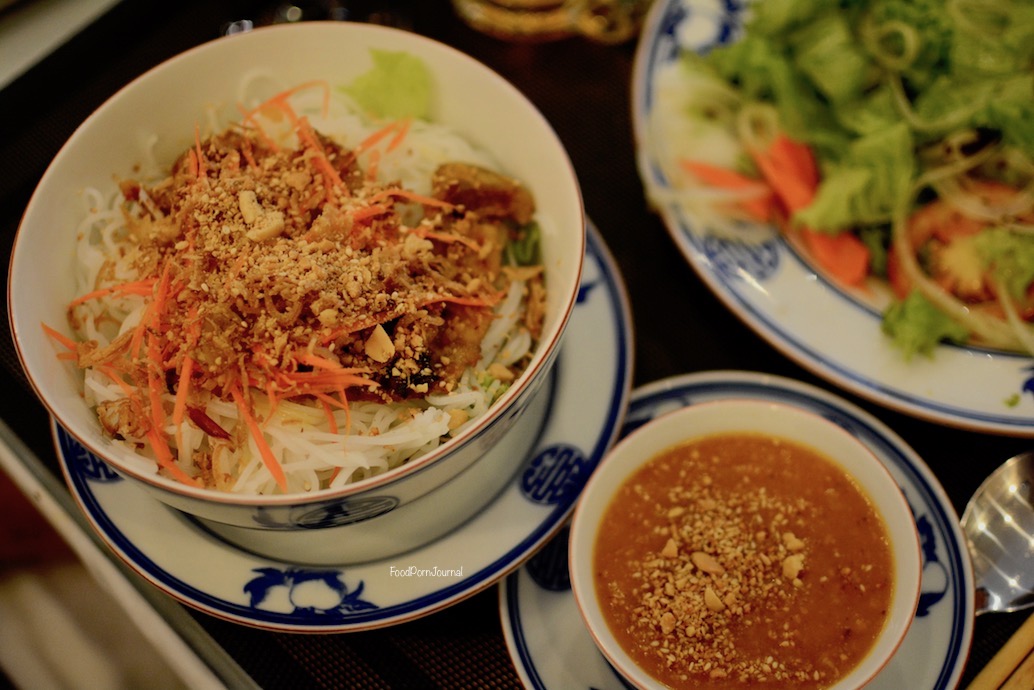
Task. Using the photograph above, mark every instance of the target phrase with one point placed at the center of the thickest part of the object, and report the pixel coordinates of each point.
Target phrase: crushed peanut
(269, 253)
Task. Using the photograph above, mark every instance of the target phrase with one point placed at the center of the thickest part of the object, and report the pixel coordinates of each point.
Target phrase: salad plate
(778, 293)
(552, 649)
(586, 397)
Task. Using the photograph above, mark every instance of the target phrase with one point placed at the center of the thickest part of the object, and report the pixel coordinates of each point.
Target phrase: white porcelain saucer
(589, 391)
(552, 649)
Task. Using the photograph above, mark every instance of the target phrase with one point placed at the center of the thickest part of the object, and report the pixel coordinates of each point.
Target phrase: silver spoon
(999, 528)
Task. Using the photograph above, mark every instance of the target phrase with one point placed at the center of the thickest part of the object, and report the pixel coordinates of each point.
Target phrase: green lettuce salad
(894, 139)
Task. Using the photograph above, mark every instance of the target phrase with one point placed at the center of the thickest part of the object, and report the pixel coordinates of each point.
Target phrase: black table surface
(583, 89)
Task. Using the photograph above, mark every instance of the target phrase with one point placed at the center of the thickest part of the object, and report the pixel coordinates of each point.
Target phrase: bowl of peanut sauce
(743, 542)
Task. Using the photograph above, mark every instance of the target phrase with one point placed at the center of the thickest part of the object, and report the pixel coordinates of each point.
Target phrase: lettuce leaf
(930, 24)
(397, 86)
(992, 38)
(1009, 256)
(773, 17)
(916, 326)
(865, 186)
(763, 70)
(1011, 111)
(827, 52)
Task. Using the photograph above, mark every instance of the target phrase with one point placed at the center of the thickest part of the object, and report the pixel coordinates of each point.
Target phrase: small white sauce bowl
(756, 417)
(378, 517)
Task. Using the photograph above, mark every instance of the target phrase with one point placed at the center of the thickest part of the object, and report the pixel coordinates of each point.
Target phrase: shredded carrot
(328, 402)
(249, 153)
(316, 361)
(371, 211)
(281, 97)
(409, 196)
(268, 459)
(155, 383)
(403, 130)
(151, 314)
(321, 161)
(271, 395)
(136, 287)
(248, 116)
(372, 164)
(60, 337)
(348, 410)
(331, 422)
(234, 271)
(327, 380)
(335, 333)
(279, 101)
(137, 342)
(162, 294)
(374, 138)
(446, 237)
(166, 461)
(130, 392)
(466, 301)
(182, 388)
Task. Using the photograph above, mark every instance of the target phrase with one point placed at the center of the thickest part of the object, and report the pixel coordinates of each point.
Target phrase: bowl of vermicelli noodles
(304, 284)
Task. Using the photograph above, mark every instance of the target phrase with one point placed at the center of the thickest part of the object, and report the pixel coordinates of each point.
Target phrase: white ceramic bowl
(377, 517)
(771, 419)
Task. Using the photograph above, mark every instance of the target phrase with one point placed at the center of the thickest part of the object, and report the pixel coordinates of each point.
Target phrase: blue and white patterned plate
(589, 394)
(552, 649)
(776, 292)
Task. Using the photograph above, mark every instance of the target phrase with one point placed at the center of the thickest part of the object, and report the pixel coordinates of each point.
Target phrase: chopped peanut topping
(280, 260)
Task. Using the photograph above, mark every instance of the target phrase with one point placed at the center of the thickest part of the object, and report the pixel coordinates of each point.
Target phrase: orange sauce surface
(741, 560)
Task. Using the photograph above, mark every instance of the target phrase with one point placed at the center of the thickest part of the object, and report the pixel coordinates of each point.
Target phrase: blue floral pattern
(305, 593)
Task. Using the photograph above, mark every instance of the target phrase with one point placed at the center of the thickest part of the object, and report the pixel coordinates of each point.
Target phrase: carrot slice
(785, 178)
(896, 275)
(844, 255)
(796, 156)
(761, 207)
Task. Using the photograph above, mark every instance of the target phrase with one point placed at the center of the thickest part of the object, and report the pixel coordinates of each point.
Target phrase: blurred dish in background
(606, 21)
(774, 288)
